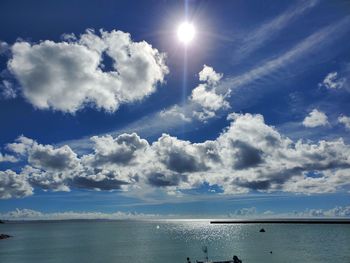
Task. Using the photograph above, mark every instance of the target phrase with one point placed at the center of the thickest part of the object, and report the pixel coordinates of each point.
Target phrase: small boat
(234, 259)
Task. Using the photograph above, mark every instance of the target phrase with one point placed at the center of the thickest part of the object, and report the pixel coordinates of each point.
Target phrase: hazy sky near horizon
(104, 109)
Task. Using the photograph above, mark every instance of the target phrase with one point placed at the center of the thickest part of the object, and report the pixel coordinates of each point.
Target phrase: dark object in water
(229, 261)
(2, 222)
(4, 236)
(235, 259)
(270, 252)
(262, 230)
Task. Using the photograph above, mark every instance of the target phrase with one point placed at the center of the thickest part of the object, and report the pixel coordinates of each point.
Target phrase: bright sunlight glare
(186, 32)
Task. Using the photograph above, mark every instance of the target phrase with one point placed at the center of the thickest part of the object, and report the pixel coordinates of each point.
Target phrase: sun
(186, 32)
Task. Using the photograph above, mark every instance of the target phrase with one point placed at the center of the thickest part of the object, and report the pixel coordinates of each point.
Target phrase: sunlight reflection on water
(203, 231)
(172, 241)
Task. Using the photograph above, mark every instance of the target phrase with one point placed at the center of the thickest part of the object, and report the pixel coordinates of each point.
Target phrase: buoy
(157, 226)
(262, 230)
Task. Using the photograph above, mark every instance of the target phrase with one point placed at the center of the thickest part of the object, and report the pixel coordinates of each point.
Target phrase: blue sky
(103, 109)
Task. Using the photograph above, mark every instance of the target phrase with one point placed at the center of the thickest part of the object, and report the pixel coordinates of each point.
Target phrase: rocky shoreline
(4, 236)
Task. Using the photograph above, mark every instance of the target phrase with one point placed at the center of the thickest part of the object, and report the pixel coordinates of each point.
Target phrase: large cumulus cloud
(47, 166)
(71, 74)
(13, 185)
(121, 150)
(248, 155)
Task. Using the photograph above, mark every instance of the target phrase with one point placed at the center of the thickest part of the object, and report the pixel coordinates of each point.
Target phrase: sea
(165, 241)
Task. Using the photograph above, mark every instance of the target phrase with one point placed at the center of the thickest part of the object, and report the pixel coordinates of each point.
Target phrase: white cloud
(50, 158)
(250, 212)
(344, 120)
(44, 156)
(7, 158)
(155, 123)
(174, 112)
(206, 96)
(230, 86)
(203, 103)
(338, 211)
(13, 185)
(7, 90)
(208, 74)
(248, 155)
(121, 150)
(48, 167)
(180, 156)
(315, 118)
(28, 214)
(3, 47)
(333, 81)
(68, 76)
(21, 145)
(244, 212)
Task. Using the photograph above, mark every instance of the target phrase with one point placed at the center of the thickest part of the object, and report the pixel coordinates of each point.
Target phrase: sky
(106, 113)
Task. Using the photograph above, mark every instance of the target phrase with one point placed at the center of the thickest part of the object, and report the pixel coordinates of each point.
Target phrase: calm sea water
(172, 242)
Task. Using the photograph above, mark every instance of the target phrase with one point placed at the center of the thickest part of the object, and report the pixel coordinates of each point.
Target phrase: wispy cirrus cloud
(231, 85)
(309, 45)
(261, 35)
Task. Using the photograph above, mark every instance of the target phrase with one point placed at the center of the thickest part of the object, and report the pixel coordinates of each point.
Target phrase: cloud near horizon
(72, 74)
(29, 214)
(338, 211)
(247, 212)
(248, 156)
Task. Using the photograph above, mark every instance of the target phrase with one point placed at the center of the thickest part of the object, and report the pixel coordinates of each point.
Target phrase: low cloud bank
(248, 156)
(251, 212)
(28, 214)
